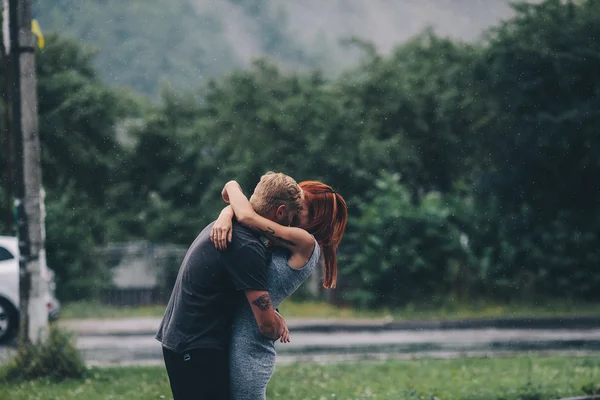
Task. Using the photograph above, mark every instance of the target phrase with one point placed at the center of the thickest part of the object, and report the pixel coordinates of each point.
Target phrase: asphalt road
(100, 347)
(352, 345)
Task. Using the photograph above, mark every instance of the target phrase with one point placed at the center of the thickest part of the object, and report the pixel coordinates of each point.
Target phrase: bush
(73, 234)
(527, 255)
(441, 248)
(591, 388)
(398, 251)
(57, 359)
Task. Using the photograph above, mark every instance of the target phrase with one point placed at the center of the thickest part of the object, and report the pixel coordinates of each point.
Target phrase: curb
(149, 326)
(582, 398)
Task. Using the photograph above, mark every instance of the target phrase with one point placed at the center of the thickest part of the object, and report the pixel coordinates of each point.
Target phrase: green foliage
(591, 388)
(538, 189)
(417, 102)
(77, 118)
(72, 229)
(522, 256)
(469, 170)
(389, 258)
(56, 359)
(539, 73)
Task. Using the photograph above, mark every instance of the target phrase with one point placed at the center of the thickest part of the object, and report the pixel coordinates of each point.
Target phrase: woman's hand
(221, 232)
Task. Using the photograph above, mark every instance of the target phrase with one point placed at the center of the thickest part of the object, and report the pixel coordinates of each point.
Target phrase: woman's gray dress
(252, 356)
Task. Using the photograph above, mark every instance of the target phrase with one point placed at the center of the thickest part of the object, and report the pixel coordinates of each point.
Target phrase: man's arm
(270, 323)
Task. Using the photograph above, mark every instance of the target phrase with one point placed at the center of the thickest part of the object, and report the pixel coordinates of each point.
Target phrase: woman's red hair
(328, 216)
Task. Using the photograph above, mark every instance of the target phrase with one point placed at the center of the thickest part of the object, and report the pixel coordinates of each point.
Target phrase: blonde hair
(276, 189)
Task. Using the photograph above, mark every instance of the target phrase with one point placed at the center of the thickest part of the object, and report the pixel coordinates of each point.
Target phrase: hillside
(144, 44)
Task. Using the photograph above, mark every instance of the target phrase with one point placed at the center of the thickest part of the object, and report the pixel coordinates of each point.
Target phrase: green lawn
(523, 378)
(448, 310)
(89, 309)
(290, 309)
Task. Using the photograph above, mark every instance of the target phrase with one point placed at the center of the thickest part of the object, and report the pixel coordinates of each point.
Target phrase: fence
(144, 273)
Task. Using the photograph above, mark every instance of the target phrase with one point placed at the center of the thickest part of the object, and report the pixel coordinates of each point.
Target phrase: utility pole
(28, 176)
(7, 148)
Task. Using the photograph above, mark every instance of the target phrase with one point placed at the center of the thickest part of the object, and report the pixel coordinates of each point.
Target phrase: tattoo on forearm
(270, 233)
(263, 302)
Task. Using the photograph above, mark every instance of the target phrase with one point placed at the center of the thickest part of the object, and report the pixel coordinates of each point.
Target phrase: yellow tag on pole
(37, 31)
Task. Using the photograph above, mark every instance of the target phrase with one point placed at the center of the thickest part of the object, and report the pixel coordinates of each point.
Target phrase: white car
(9, 289)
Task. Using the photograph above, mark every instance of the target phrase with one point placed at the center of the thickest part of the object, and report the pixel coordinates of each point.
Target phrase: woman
(321, 224)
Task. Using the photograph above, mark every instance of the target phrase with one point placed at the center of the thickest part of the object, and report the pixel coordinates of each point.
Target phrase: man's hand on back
(284, 332)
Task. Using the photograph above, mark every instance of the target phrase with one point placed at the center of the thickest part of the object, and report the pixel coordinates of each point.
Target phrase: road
(103, 346)
(352, 345)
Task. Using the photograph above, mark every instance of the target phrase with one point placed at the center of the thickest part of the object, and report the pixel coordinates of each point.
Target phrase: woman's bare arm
(295, 239)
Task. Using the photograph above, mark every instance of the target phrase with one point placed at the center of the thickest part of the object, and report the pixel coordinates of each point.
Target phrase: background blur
(463, 134)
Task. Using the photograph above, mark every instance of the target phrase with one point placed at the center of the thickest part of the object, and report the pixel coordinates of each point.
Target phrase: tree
(539, 71)
(538, 192)
(78, 119)
(417, 102)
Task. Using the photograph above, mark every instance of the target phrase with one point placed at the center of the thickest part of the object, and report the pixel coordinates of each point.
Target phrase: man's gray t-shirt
(209, 285)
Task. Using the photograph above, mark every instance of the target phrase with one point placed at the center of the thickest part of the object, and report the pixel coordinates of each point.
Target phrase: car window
(5, 254)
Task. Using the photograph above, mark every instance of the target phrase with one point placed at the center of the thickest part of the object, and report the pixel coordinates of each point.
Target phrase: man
(195, 330)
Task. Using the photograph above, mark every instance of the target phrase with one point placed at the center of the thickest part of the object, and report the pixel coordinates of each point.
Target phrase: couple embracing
(219, 329)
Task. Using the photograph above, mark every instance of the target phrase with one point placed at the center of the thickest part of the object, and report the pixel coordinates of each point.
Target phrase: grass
(295, 309)
(90, 309)
(447, 310)
(514, 378)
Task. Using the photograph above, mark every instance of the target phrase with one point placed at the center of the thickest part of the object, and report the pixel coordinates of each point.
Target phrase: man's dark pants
(198, 374)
